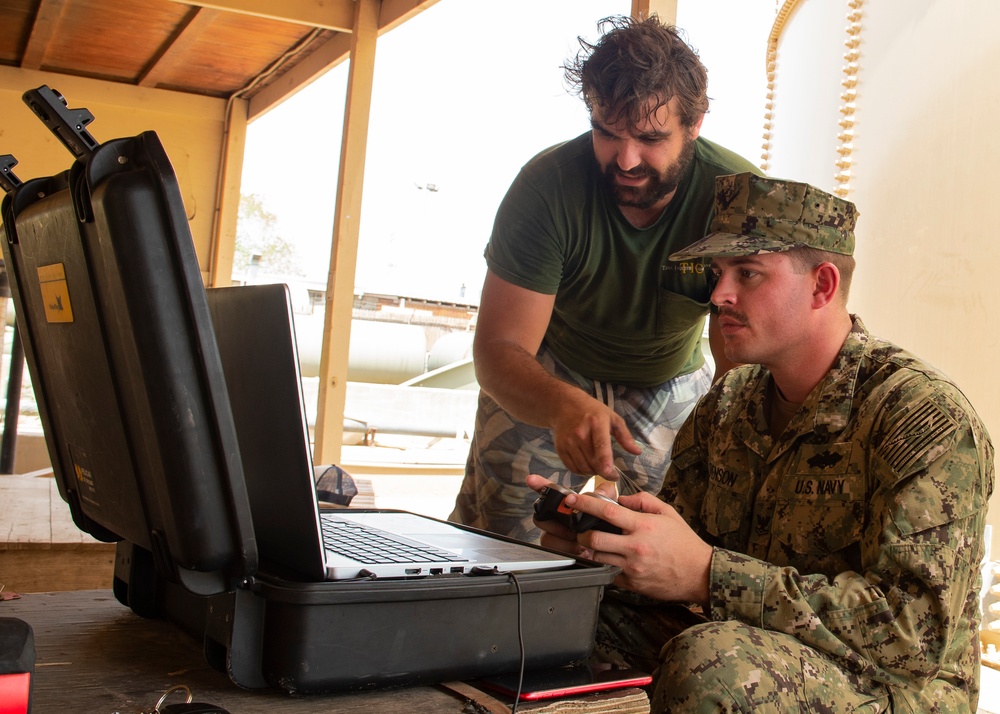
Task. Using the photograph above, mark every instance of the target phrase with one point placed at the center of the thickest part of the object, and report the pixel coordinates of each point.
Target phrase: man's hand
(660, 556)
(557, 536)
(512, 323)
(582, 432)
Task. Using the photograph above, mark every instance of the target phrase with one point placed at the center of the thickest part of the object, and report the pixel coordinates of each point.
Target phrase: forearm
(525, 389)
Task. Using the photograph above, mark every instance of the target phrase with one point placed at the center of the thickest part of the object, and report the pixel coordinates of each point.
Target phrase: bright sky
(464, 95)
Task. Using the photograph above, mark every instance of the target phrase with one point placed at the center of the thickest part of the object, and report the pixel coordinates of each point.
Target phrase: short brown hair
(806, 258)
(635, 61)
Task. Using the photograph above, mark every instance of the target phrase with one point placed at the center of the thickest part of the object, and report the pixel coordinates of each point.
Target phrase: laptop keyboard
(371, 545)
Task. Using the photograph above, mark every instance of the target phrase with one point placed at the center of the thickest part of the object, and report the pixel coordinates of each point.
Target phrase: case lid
(119, 344)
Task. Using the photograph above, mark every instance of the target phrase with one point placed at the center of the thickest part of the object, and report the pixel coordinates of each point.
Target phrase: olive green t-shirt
(623, 312)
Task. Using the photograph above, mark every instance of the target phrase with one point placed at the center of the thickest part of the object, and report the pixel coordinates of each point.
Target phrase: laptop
(255, 332)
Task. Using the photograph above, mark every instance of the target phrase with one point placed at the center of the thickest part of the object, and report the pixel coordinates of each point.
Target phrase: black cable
(483, 570)
(520, 644)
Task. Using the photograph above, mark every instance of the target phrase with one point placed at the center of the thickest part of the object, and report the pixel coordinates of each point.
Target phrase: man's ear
(695, 129)
(826, 284)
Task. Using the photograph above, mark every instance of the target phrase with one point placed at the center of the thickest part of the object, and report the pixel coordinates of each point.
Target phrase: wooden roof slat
(174, 52)
(43, 30)
(115, 42)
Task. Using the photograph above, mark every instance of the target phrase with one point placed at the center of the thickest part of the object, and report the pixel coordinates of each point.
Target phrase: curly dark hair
(635, 61)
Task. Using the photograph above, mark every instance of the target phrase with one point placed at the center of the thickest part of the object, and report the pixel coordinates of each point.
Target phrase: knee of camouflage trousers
(732, 667)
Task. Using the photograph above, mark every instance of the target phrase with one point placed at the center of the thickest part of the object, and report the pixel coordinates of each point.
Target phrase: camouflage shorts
(504, 450)
(726, 667)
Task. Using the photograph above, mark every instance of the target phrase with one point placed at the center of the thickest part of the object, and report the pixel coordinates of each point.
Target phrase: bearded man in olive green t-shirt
(588, 343)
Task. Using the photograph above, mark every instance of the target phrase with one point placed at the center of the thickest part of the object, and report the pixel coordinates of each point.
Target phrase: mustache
(733, 315)
(637, 172)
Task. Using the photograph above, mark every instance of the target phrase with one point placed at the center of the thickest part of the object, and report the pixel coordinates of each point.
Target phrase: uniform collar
(832, 400)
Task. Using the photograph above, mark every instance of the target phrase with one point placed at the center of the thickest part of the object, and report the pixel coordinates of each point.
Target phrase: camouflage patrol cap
(756, 214)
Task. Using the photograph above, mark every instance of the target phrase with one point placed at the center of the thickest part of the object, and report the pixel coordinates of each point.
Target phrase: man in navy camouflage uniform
(825, 504)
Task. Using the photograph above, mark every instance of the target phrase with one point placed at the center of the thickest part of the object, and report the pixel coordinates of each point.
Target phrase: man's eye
(747, 273)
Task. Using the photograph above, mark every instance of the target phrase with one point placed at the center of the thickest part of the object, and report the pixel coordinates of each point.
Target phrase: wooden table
(95, 655)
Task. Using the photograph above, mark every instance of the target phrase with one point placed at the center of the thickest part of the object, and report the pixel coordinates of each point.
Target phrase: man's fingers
(644, 502)
(572, 547)
(624, 437)
(601, 456)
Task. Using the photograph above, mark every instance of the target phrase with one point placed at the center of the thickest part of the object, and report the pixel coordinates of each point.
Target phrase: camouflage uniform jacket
(860, 530)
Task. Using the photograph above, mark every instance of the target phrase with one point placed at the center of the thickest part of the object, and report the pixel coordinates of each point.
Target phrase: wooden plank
(42, 549)
(24, 509)
(56, 569)
(33, 514)
(62, 529)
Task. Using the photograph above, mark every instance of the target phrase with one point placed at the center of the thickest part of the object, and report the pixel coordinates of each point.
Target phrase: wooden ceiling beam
(334, 51)
(42, 31)
(326, 14)
(305, 72)
(173, 52)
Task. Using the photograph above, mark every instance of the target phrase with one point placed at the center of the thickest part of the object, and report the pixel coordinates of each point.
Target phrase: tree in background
(259, 248)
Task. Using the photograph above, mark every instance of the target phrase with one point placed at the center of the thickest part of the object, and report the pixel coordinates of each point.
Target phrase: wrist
(702, 574)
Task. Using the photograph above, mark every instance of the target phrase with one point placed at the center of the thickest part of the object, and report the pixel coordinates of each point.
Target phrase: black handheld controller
(549, 506)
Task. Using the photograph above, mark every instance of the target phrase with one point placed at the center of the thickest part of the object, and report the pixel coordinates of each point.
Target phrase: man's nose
(722, 293)
(628, 155)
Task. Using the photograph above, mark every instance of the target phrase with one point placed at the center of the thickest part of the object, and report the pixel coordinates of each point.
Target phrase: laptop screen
(254, 330)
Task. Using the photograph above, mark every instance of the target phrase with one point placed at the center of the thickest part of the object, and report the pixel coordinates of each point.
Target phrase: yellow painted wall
(190, 127)
(924, 161)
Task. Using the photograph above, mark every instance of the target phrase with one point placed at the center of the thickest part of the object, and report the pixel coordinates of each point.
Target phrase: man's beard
(660, 185)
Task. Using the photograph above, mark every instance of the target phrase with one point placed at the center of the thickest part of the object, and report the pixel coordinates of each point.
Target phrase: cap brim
(731, 244)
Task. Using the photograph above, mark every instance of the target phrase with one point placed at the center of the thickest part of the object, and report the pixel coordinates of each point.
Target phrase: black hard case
(139, 430)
